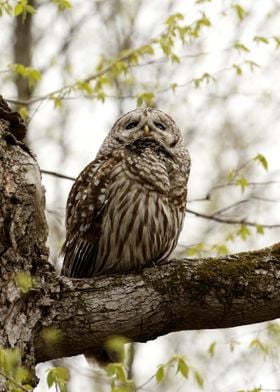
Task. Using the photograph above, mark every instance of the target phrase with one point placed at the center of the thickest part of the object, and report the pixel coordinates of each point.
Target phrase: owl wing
(85, 208)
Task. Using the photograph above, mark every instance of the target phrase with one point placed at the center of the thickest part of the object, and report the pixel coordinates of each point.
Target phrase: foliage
(17, 377)
(182, 368)
(31, 74)
(58, 377)
(51, 335)
(25, 282)
(116, 371)
(23, 8)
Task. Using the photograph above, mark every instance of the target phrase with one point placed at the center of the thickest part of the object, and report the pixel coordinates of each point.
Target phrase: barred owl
(126, 208)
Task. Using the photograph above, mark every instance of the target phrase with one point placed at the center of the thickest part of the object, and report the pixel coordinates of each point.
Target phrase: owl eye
(160, 126)
(131, 125)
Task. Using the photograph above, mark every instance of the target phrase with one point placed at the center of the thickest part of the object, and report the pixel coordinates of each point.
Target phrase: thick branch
(179, 295)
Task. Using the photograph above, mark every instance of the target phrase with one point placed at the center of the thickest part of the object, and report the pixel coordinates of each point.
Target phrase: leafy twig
(13, 381)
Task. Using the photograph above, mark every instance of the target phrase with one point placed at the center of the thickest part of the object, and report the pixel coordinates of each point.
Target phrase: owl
(126, 209)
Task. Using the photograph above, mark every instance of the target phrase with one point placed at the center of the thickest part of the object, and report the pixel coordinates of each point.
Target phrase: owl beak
(146, 130)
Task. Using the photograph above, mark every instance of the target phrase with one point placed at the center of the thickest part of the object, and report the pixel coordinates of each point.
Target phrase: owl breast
(141, 222)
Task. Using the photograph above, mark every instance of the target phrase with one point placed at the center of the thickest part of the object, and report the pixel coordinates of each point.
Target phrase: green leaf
(175, 59)
(30, 9)
(220, 249)
(21, 375)
(252, 64)
(238, 69)
(230, 237)
(62, 4)
(59, 377)
(101, 96)
(256, 343)
(211, 349)
(32, 74)
(9, 359)
(120, 372)
(84, 86)
(173, 19)
(18, 9)
(241, 47)
(273, 330)
(203, 21)
(111, 369)
(117, 370)
(160, 374)
(173, 86)
(259, 229)
(147, 49)
(62, 373)
(183, 368)
(116, 344)
(195, 249)
(239, 11)
(22, 7)
(50, 379)
(231, 174)
(242, 182)
(28, 387)
(243, 232)
(277, 41)
(199, 379)
(57, 102)
(197, 82)
(260, 158)
(23, 111)
(6, 7)
(24, 282)
(261, 39)
(147, 97)
(51, 335)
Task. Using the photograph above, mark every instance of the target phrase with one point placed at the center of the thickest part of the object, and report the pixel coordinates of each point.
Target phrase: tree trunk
(23, 51)
(173, 296)
(23, 234)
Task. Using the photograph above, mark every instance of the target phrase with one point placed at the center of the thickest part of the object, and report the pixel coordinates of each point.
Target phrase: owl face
(146, 123)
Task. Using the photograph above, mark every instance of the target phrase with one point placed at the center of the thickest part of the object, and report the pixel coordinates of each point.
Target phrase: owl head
(144, 123)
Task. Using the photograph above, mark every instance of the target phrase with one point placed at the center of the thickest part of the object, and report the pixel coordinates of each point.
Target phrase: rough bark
(23, 234)
(177, 295)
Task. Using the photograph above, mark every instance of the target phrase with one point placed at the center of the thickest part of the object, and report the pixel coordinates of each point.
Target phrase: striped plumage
(126, 208)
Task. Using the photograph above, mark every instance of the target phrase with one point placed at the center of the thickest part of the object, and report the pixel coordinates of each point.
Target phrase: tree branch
(178, 295)
(231, 221)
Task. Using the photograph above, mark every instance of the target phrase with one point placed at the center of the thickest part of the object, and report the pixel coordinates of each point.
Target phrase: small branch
(231, 221)
(63, 176)
(252, 183)
(13, 381)
(213, 217)
(231, 206)
(145, 383)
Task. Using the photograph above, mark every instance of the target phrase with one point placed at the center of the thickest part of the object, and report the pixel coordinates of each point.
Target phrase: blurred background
(72, 68)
